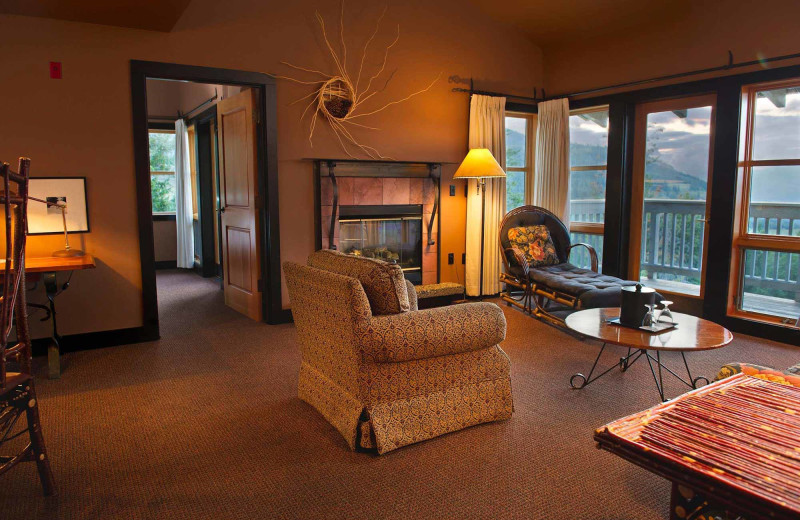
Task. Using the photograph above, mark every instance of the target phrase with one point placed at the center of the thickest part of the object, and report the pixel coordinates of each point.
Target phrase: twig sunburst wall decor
(338, 99)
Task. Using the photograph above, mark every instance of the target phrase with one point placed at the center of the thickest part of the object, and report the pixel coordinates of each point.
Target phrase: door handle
(222, 209)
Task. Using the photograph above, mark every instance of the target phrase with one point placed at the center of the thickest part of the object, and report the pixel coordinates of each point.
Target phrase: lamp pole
(482, 188)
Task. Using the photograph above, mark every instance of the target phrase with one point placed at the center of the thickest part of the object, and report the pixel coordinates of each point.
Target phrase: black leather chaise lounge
(544, 291)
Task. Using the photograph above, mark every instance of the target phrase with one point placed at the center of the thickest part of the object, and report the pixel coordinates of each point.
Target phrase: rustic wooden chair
(551, 292)
(17, 392)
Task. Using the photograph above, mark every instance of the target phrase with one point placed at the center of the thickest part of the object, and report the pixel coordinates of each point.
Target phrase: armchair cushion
(432, 332)
(535, 243)
(412, 296)
(383, 282)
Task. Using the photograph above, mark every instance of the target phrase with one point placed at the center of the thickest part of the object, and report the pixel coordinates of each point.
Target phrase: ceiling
(549, 22)
(155, 15)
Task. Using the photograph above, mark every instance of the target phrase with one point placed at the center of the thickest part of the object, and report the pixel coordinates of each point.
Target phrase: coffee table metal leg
(689, 372)
(657, 378)
(625, 363)
(586, 380)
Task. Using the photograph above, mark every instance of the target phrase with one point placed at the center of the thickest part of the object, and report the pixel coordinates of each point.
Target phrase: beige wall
(696, 36)
(165, 240)
(165, 98)
(81, 125)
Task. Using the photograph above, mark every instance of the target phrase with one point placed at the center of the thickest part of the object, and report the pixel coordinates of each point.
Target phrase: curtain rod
(201, 105)
(496, 94)
(728, 66)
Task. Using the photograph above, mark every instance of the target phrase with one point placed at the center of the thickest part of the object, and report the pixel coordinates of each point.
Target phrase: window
(766, 256)
(588, 154)
(162, 171)
(520, 134)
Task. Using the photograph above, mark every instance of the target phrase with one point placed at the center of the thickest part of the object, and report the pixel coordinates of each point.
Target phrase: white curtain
(183, 197)
(487, 129)
(551, 185)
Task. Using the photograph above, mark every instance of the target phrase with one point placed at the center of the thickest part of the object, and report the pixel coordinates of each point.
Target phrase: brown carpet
(205, 423)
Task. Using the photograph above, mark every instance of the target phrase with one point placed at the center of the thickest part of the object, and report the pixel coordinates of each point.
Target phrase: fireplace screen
(396, 240)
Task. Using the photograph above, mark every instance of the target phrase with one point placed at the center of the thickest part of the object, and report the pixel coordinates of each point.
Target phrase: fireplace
(392, 233)
(382, 209)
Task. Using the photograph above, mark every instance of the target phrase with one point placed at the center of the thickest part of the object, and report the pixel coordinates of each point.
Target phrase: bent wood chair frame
(520, 289)
(17, 391)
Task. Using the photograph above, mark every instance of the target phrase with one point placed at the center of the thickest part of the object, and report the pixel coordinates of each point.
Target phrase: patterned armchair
(790, 376)
(384, 373)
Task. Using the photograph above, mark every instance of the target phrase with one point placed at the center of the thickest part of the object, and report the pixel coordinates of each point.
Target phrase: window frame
(530, 155)
(742, 238)
(589, 228)
(152, 130)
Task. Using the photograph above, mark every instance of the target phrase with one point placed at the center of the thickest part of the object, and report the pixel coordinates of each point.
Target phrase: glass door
(670, 204)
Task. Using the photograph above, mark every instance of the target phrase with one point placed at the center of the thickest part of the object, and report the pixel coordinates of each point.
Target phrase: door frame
(637, 185)
(267, 151)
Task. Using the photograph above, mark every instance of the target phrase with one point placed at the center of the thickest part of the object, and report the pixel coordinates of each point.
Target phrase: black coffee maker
(632, 307)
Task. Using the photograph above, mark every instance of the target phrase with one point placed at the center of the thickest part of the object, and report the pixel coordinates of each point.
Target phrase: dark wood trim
(723, 200)
(164, 217)
(267, 177)
(93, 340)
(524, 108)
(156, 125)
(318, 206)
(615, 245)
(284, 316)
(144, 202)
(166, 264)
(205, 185)
(268, 208)
(381, 210)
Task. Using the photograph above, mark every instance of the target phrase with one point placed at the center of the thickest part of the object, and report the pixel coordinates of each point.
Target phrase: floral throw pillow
(535, 243)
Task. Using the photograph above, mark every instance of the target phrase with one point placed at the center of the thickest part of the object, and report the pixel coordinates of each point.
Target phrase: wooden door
(673, 147)
(236, 134)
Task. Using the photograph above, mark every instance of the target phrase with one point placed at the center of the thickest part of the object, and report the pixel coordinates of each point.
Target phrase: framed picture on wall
(44, 219)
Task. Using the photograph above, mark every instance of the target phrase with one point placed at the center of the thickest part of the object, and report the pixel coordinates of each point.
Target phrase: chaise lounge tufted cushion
(383, 282)
(590, 288)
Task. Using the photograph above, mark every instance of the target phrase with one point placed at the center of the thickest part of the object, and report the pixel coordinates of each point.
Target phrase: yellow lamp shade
(479, 163)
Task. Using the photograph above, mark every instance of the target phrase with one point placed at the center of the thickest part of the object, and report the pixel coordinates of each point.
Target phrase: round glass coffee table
(691, 334)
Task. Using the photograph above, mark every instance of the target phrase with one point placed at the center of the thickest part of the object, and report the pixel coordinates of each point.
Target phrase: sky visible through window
(516, 157)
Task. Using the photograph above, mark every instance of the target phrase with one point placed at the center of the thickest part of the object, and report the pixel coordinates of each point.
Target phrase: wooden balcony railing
(673, 241)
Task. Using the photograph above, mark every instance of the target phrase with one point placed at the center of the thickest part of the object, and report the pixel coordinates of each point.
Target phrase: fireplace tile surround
(388, 184)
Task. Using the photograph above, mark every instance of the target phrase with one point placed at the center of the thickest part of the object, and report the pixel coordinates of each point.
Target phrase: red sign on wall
(55, 70)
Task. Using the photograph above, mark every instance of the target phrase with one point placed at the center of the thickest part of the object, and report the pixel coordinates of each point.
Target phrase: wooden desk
(53, 264)
(47, 267)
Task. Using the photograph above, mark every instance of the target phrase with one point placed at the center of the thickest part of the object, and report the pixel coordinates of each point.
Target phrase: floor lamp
(480, 164)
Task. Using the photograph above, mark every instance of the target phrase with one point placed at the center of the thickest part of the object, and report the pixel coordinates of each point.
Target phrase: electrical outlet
(450, 259)
(452, 190)
(463, 258)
